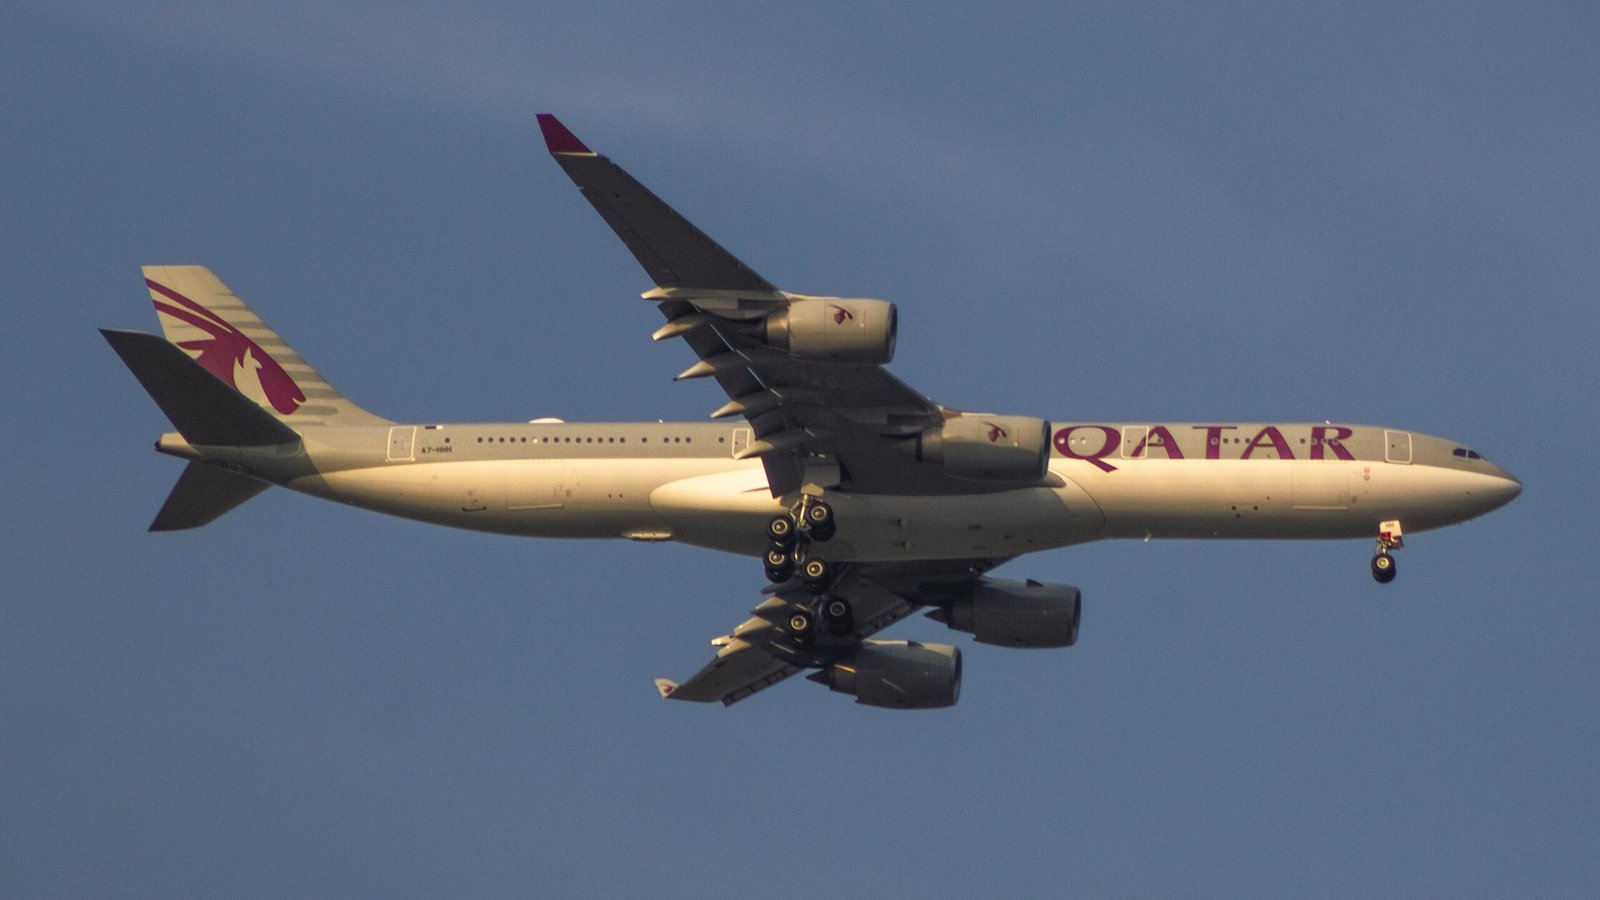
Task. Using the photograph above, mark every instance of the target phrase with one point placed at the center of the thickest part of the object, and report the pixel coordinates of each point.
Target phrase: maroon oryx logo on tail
(996, 432)
(841, 315)
(228, 351)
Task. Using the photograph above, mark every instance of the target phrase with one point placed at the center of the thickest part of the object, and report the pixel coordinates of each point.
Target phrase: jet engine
(897, 675)
(988, 448)
(834, 328)
(1016, 613)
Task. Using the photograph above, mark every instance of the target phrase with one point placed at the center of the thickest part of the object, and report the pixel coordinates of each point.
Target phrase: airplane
(865, 500)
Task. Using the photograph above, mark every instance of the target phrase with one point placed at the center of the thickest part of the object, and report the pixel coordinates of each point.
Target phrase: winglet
(667, 687)
(557, 138)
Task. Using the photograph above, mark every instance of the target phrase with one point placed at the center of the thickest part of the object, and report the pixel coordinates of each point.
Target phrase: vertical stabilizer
(200, 314)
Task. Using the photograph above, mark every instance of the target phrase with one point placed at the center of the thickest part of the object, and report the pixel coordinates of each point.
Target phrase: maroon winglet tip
(557, 138)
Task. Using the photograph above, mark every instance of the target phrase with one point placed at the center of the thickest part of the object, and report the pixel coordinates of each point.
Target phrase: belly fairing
(729, 511)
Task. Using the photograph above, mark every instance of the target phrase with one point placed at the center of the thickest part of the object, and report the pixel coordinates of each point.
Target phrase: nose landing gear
(1390, 537)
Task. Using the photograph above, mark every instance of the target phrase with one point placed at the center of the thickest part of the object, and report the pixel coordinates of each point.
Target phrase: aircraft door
(1397, 447)
(402, 441)
(1134, 440)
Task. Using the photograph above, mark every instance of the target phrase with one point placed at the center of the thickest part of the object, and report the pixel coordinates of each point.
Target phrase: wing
(763, 651)
(805, 371)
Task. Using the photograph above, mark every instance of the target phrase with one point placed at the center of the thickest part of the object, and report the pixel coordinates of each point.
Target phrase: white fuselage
(680, 482)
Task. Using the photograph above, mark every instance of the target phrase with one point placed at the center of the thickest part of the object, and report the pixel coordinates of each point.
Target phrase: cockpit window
(1466, 454)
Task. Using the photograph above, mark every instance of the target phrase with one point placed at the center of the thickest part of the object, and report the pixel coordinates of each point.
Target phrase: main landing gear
(1390, 537)
(789, 554)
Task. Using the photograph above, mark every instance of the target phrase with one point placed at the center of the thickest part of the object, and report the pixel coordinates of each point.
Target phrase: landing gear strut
(790, 537)
(1390, 538)
(831, 615)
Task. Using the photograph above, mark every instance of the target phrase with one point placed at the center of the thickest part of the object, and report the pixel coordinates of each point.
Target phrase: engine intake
(898, 675)
(1016, 613)
(834, 328)
(988, 448)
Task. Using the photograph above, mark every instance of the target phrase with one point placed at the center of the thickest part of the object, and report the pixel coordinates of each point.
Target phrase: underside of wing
(764, 650)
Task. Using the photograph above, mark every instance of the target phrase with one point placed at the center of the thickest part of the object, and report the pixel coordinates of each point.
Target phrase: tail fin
(199, 314)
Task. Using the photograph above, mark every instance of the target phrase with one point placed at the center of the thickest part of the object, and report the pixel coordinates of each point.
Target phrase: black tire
(778, 575)
(839, 616)
(822, 533)
(781, 531)
(819, 515)
(1383, 568)
(778, 558)
(817, 574)
(836, 608)
(801, 627)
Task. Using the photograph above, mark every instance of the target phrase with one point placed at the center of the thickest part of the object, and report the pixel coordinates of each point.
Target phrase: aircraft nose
(1504, 489)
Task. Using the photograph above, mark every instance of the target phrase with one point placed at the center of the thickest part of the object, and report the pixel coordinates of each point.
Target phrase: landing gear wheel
(839, 616)
(801, 628)
(779, 565)
(817, 575)
(1383, 568)
(781, 531)
(819, 521)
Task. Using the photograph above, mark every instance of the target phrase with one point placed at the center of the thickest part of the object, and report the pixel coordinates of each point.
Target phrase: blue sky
(1368, 212)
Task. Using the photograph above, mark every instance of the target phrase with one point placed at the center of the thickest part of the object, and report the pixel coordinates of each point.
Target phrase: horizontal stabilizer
(204, 409)
(202, 495)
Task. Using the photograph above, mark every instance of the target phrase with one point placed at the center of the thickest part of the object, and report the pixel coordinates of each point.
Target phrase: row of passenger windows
(584, 440)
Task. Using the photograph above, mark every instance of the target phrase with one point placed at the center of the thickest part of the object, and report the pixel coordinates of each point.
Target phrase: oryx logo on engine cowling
(996, 433)
(841, 315)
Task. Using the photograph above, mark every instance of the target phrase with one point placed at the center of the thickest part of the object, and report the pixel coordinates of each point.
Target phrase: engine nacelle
(898, 675)
(989, 448)
(1016, 613)
(834, 328)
